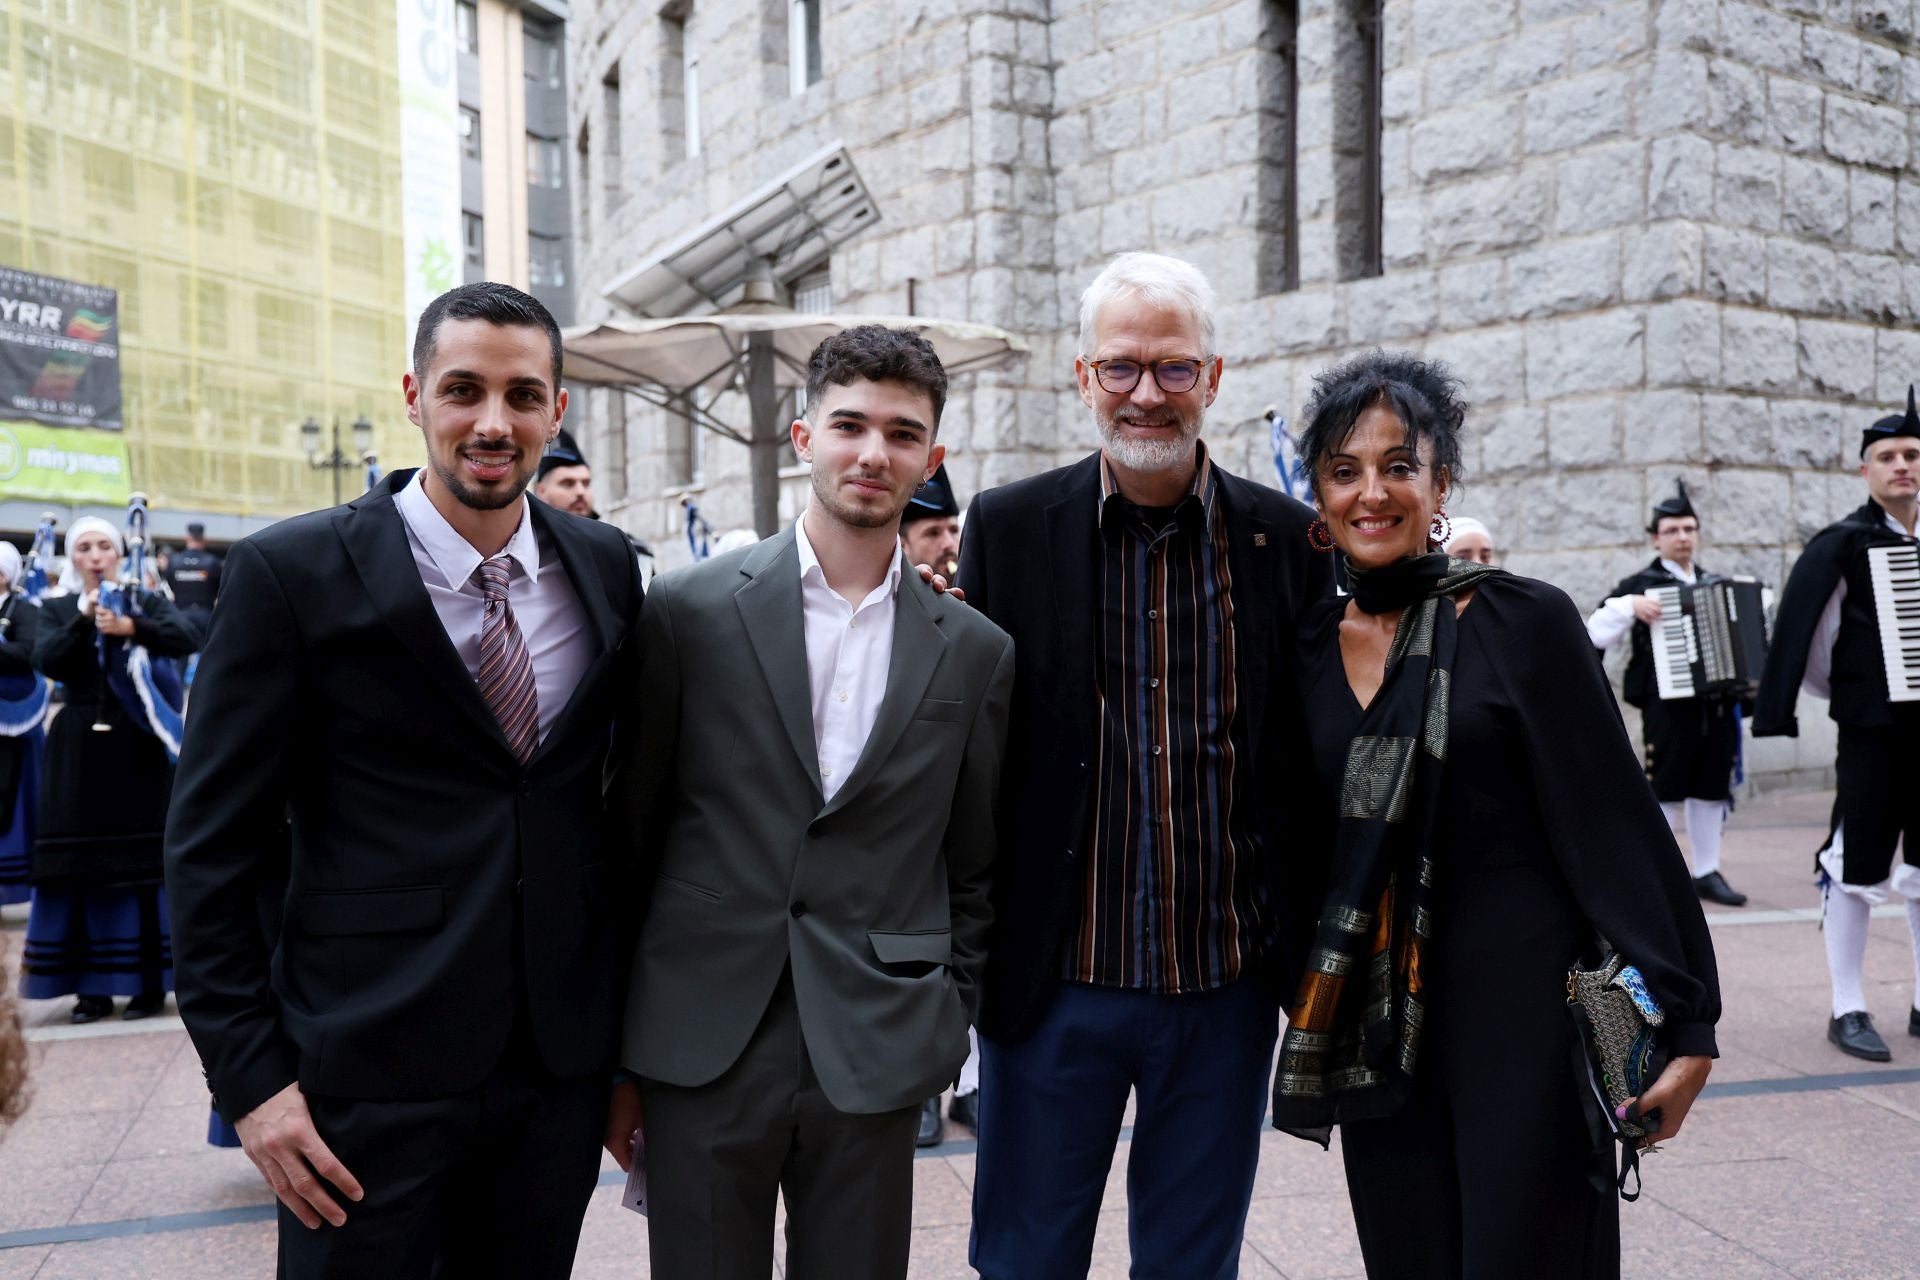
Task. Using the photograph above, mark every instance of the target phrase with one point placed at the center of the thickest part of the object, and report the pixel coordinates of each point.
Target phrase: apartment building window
(1359, 66)
(544, 162)
(803, 44)
(611, 172)
(678, 73)
(542, 57)
(1278, 210)
(473, 235)
(470, 133)
(546, 262)
(466, 26)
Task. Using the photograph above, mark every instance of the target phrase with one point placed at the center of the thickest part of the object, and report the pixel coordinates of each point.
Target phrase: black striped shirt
(1172, 901)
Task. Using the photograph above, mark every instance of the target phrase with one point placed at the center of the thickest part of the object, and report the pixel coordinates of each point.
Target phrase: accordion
(1711, 637)
(1895, 572)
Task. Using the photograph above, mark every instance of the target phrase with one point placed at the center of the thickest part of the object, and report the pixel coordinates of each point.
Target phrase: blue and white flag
(698, 531)
(35, 581)
(1286, 459)
(148, 687)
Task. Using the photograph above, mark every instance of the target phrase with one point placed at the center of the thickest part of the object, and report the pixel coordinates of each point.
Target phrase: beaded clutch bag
(1619, 1023)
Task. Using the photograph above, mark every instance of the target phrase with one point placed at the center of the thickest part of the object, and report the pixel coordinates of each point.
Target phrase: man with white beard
(1146, 916)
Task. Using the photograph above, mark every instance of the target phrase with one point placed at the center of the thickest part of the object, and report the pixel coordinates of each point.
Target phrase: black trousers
(1876, 770)
(1690, 748)
(719, 1154)
(492, 1182)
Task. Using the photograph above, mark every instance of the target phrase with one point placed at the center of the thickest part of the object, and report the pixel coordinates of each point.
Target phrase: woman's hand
(1673, 1093)
(624, 1120)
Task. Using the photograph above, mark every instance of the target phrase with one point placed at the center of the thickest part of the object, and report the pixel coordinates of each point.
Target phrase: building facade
(1655, 238)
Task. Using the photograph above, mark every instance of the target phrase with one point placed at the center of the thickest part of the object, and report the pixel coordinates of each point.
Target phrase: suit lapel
(769, 605)
(576, 557)
(376, 542)
(918, 646)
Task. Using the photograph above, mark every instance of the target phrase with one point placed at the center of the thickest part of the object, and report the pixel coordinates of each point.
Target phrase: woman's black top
(1549, 831)
(103, 795)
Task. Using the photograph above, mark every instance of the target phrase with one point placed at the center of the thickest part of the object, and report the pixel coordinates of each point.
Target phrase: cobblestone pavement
(1799, 1162)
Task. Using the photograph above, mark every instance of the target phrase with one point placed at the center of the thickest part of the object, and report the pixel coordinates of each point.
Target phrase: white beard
(1137, 454)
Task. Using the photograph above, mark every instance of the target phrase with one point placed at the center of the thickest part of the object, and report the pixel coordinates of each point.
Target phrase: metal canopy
(793, 223)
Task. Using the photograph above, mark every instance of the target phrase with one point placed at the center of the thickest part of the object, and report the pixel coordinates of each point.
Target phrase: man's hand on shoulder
(939, 583)
(279, 1137)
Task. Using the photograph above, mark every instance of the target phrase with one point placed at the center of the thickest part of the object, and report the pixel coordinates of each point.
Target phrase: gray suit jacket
(878, 899)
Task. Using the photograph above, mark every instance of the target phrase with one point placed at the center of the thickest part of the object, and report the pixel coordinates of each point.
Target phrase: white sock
(970, 1072)
(1704, 820)
(1913, 929)
(1846, 927)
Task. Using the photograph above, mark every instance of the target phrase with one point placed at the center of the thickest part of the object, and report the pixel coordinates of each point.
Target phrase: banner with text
(55, 462)
(429, 153)
(59, 350)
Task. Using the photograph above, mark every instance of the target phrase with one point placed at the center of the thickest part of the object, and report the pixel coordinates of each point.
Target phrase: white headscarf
(9, 567)
(1464, 525)
(71, 583)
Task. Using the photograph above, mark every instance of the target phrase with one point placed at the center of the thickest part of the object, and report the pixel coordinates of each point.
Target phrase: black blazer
(1028, 561)
(436, 890)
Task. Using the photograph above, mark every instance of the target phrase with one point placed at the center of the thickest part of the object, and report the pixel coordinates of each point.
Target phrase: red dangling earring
(1440, 532)
(1319, 537)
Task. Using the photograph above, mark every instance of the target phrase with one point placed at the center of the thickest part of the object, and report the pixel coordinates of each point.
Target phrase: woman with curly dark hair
(1432, 1024)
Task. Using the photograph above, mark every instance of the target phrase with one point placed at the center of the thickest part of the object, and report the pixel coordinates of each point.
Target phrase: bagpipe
(149, 689)
(26, 695)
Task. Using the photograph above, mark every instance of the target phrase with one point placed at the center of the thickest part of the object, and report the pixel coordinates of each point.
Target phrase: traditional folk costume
(1690, 743)
(23, 714)
(98, 927)
(1827, 640)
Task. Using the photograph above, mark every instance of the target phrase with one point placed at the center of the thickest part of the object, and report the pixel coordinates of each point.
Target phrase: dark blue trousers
(1051, 1108)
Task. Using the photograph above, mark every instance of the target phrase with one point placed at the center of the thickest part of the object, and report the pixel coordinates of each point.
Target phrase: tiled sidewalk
(1799, 1163)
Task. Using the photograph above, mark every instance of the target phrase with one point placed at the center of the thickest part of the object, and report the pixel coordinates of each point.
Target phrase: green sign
(72, 464)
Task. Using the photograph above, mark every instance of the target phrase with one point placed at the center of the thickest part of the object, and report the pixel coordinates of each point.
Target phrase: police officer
(565, 480)
(194, 575)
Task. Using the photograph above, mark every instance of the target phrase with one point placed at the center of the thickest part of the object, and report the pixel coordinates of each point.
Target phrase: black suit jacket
(1029, 561)
(436, 890)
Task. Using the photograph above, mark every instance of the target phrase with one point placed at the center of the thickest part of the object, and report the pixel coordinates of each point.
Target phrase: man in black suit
(415, 691)
(1146, 922)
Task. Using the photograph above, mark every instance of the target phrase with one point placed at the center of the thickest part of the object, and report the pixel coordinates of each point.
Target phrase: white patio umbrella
(758, 346)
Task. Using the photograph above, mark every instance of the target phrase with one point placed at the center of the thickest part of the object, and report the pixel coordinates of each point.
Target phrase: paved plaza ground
(1798, 1161)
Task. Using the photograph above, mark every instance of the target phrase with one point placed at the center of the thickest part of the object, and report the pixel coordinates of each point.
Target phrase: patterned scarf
(1353, 1033)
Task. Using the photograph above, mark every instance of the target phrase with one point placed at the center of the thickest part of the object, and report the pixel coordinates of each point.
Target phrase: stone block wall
(1655, 238)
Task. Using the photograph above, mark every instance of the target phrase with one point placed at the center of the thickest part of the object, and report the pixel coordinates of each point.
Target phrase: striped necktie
(506, 672)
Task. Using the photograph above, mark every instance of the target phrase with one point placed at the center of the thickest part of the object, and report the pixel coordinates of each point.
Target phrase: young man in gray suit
(813, 791)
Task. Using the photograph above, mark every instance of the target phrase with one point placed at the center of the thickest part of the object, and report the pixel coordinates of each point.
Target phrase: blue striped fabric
(1172, 900)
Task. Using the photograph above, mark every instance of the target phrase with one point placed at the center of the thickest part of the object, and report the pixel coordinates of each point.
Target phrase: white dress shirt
(848, 653)
(560, 641)
(1818, 679)
(1614, 618)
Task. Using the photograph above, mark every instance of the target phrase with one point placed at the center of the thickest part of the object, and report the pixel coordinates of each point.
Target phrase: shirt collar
(451, 553)
(810, 570)
(1684, 575)
(1205, 484)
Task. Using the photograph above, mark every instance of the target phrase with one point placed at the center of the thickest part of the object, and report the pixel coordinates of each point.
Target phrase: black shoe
(930, 1134)
(1714, 888)
(1854, 1034)
(91, 1009)
(1913, 1022)
(965, 1108)
(144, 1006)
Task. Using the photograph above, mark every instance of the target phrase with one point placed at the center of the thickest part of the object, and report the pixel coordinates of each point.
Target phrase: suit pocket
(940, 709)
(924, 947)
(412, 910)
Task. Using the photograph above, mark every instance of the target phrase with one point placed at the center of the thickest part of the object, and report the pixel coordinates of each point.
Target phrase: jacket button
(1070, 855)
(797, 910)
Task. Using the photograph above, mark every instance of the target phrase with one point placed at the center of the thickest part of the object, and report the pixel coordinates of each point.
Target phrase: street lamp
(336, 461)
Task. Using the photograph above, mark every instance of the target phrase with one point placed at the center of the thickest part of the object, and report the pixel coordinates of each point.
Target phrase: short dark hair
(1423, 394)
(875, 353)
(497, 304)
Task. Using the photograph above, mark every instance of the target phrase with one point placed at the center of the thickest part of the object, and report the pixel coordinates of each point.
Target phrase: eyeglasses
(1118, 377)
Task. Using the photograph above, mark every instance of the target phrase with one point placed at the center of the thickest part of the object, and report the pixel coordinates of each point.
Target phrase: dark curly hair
(875, 353)
(1423, 394)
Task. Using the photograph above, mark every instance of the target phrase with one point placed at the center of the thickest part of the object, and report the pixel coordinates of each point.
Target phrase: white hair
(1157, 280)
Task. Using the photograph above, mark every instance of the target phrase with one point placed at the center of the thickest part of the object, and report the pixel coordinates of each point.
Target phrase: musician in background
(23, 710)
(1472, 541)
(930, 535)
(1690, 742)
(1827, 639)
(98, 928)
